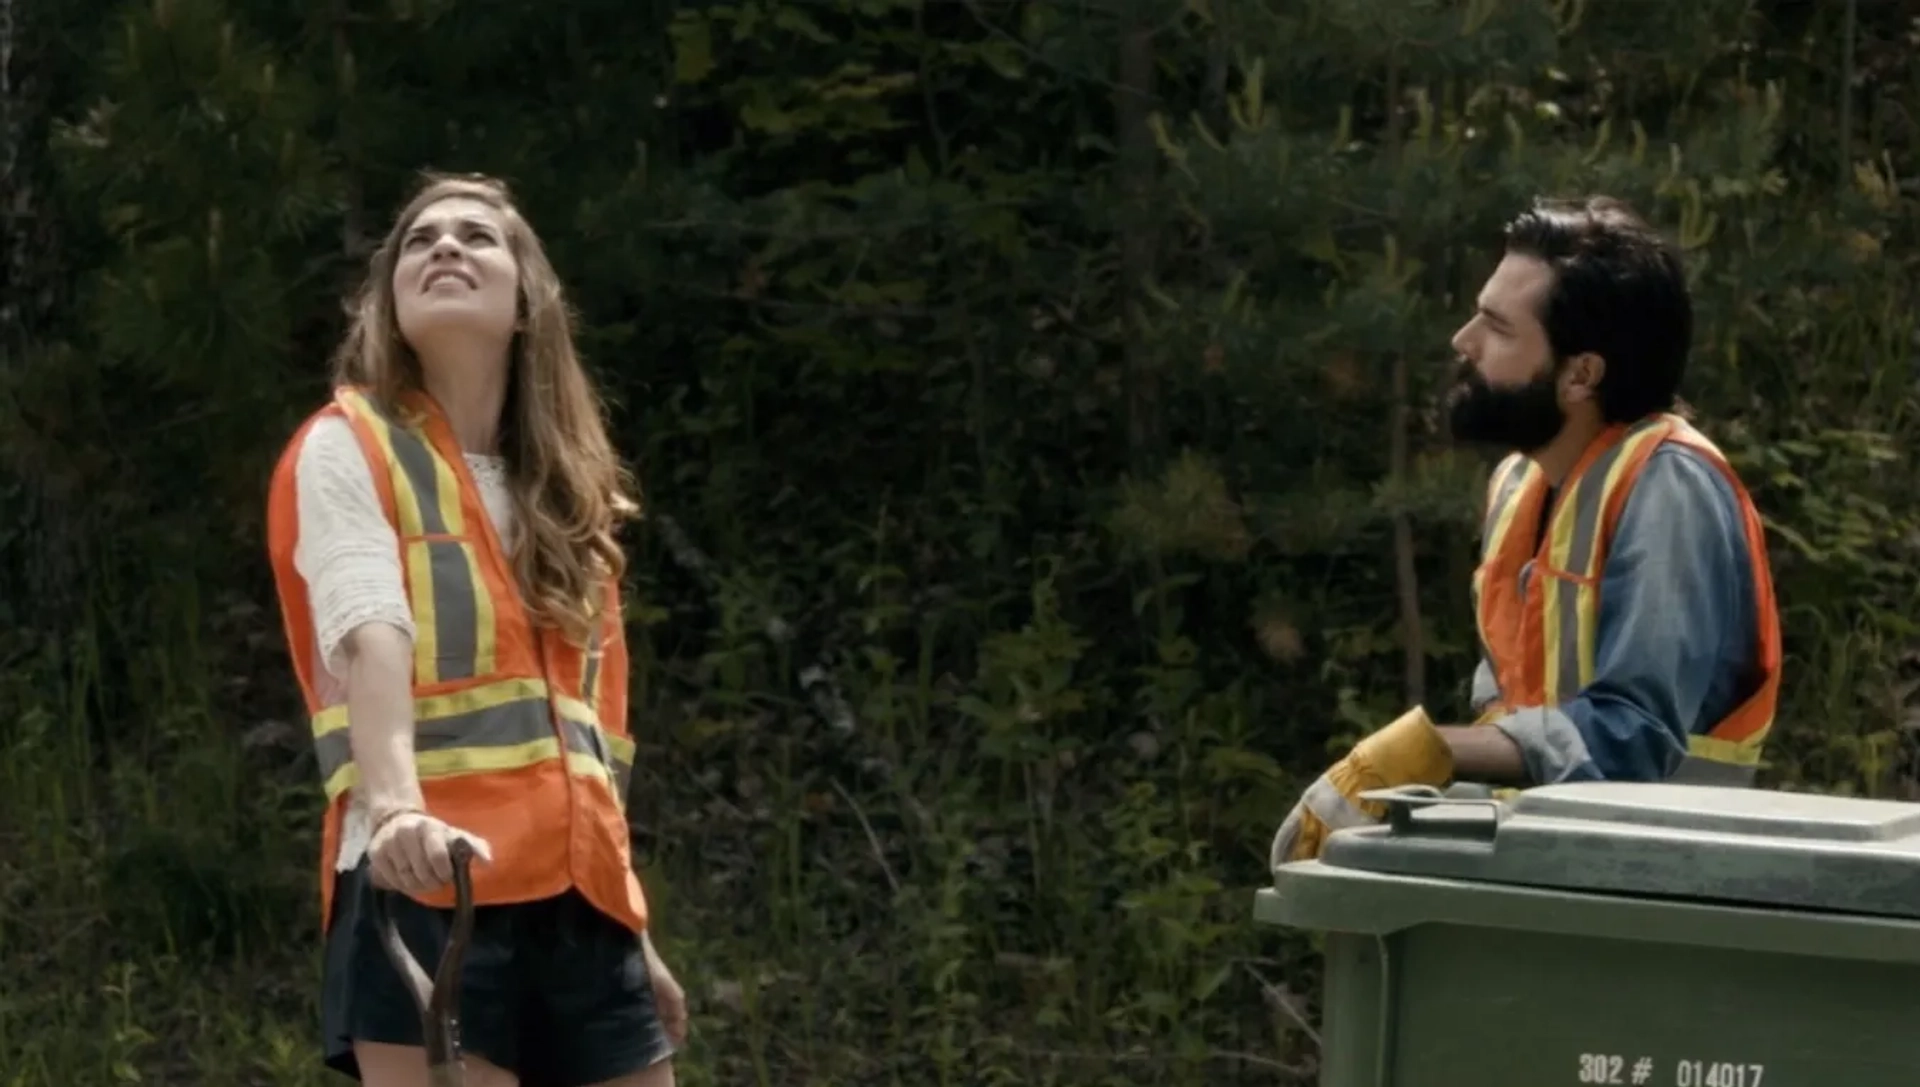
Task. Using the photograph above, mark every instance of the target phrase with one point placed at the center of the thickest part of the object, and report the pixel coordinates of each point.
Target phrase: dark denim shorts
(554, 991)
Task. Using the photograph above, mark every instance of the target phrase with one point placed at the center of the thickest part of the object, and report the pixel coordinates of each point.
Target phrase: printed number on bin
(1604, 1068)
(1717, 1074)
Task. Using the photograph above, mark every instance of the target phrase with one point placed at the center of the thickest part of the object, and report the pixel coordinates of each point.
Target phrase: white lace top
(349, 556)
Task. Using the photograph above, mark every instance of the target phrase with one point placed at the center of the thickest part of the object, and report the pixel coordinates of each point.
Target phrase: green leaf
(692, 38)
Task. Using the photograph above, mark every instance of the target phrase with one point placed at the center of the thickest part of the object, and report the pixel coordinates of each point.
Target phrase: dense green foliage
(1033, 404)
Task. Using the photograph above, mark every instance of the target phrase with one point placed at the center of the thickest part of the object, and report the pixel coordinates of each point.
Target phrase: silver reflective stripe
(1325, 803)
(450, 563)
(586, 738)
(621, 769)
(1509, 488)
(1589, 498)
(504, 725)
(622, 777)
(456, 615)
(1332, 806)
(1589, 506)
(483, 739)
(416, 460)
(1695, 770)
(1486, 686)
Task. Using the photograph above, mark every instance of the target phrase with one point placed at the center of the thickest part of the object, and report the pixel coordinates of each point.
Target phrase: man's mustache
(1466, 373)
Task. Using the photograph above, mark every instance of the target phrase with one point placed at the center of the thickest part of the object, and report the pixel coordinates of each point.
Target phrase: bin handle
(1400, 803)
(438, 998)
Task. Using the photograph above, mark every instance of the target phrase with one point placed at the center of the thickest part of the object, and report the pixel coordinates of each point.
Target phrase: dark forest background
(1033, 400)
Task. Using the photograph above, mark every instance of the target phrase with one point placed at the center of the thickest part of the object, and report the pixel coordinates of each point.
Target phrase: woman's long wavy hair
(569, 489)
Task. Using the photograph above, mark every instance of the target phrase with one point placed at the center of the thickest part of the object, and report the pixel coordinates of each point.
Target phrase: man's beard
(1514, 417)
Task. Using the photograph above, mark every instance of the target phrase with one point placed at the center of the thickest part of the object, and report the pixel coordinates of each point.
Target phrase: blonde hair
(569, 489)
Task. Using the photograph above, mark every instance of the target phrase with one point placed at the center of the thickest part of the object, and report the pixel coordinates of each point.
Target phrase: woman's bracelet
(390, 815)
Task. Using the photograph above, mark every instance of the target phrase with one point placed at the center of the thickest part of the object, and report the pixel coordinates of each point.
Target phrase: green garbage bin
(1615, 933)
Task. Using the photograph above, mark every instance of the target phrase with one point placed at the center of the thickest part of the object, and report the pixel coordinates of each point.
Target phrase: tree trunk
(1406, 574)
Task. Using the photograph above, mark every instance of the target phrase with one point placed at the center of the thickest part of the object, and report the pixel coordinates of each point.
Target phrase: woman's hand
(669, 999)
(408, 853)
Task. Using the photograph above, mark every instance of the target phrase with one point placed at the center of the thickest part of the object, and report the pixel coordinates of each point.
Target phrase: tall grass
(915, 903)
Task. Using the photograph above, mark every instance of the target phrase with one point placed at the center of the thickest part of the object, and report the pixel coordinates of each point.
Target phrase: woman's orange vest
(1539, 638)
(520, 736)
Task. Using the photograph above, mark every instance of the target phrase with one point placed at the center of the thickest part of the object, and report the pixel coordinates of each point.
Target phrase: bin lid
(1701, 842)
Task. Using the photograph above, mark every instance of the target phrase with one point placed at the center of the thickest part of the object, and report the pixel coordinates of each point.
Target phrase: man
(1623, 598)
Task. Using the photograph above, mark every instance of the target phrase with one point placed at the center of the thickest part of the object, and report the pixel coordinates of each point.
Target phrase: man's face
(1508, 394)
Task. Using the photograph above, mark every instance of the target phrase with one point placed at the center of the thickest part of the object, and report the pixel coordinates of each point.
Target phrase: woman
(442, 536)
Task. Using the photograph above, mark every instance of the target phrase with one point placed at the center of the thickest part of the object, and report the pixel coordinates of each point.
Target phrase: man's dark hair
(1618, 291)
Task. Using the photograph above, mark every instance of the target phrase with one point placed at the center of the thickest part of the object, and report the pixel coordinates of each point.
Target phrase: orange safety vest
(520, 736)
(1539, 637)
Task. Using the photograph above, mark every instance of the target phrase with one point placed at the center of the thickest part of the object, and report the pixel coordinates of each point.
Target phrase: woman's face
(455, 278)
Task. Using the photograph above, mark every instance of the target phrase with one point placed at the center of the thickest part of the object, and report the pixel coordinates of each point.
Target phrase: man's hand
(1410, 751)
(408, 853)
(669, 999)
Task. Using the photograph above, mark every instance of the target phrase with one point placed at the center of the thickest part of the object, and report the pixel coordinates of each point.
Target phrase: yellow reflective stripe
(406, 506)
(446, 490)
(454, 602)
(450, 704)
(486, 647)
(586, 766)
(1502, 475)
(573, 709)
(418, 467)
(474, 699)
(1559, 602)
(426, 618)
(1569, 602)
(613, 752)
(1611, 467)
(1738, 752)
(489, 737)
(453, 612)
(501, 726)
(621, 746)
(1743, 752)
(618, 749)
(453, 761)
(448, 762)
(1504, 498)
(1586, 560)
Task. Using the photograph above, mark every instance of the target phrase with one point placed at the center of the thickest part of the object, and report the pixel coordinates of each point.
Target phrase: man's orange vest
(520, 736)
(1540, 643)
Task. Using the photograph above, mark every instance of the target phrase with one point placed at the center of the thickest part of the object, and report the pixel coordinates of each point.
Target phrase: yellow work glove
(1410, 751)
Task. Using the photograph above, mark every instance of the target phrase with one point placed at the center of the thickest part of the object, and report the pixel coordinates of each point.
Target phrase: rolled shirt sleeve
(1674, 641)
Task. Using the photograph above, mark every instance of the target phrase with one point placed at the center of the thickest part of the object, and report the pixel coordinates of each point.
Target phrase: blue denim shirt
(1675, 645)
